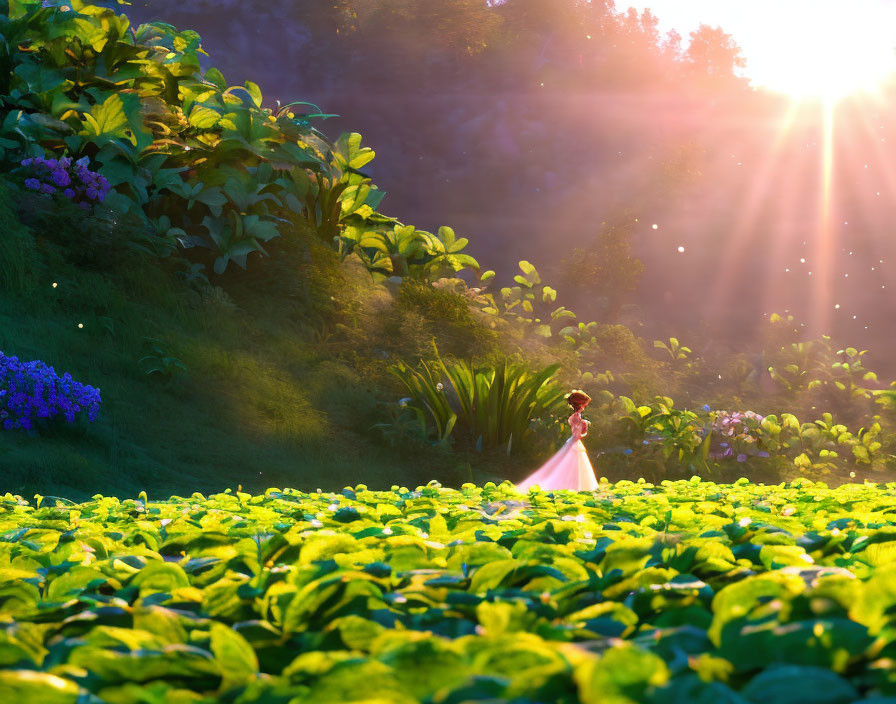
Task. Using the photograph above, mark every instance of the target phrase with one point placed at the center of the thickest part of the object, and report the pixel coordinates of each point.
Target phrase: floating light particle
(655, 226)
(80, 325)
(786, 269)
(802, 260)
(846, 276)
(810, 273)
(681, 249)
(588, 36)
(55, 284)
(853, 317)
(837, 305)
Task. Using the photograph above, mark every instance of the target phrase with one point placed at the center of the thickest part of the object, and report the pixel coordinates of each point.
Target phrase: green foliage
(158, 362)
(197, 163)
(606, 270)
(636, 592)
(425, 312)
(529, 304)
(676, 351)
(396, 250)
(492, 405)
(680, 433)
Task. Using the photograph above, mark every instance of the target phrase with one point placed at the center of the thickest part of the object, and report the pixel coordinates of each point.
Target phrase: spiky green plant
(493, 406)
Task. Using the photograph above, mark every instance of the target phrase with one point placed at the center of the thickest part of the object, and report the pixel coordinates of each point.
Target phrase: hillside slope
(263, 400)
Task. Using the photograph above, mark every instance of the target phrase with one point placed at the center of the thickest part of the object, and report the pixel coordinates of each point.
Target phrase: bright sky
(814, 47)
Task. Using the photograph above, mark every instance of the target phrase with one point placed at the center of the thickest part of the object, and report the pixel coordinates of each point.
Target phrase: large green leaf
(788, 683)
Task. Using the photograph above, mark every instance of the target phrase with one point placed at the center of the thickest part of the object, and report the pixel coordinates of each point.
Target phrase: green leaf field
(684, 591)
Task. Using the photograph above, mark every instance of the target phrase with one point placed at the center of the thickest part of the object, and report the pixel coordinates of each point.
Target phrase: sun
(824, 50)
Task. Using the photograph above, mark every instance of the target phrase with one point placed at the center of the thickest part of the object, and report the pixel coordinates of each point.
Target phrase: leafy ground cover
(684, 591)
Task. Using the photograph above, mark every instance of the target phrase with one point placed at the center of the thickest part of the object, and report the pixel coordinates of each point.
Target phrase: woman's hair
(578, 399)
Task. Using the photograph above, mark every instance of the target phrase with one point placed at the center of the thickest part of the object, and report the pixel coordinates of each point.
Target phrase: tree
(714, 55)
(606, 269)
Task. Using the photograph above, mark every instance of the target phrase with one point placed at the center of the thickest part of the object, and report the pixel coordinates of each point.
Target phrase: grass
(262, 402)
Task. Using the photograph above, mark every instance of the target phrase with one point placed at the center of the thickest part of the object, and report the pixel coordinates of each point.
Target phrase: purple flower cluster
(737, 429)
(31, 392)
(74, 180)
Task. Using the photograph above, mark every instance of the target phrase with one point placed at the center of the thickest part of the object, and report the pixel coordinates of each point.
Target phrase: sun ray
(823, 242)
(738, 239)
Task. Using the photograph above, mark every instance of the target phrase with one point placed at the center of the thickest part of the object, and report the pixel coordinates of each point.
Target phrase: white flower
(745, 521)
(316, 523)
(439, 386)
(387, 531)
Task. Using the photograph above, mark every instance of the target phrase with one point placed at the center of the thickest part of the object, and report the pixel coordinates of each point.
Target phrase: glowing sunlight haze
(806, 49)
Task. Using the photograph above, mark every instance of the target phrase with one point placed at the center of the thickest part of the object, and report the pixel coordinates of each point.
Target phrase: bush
(440, 314)
(493, 406)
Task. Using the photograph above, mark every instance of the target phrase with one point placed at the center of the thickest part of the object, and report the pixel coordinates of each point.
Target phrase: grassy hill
(263, 400)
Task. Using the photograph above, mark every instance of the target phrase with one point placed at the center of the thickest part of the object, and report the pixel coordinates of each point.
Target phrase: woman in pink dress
(570, 468)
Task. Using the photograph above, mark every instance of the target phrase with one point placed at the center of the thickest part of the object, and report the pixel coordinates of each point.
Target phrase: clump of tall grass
(487, 405)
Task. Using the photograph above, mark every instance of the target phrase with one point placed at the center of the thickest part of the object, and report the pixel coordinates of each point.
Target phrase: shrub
(32, 394)
(494, 406)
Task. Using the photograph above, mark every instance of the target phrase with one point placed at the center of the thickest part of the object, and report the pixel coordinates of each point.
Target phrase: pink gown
(570, 468)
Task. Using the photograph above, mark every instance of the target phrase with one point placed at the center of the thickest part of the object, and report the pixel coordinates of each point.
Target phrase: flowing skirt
(569, 469)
